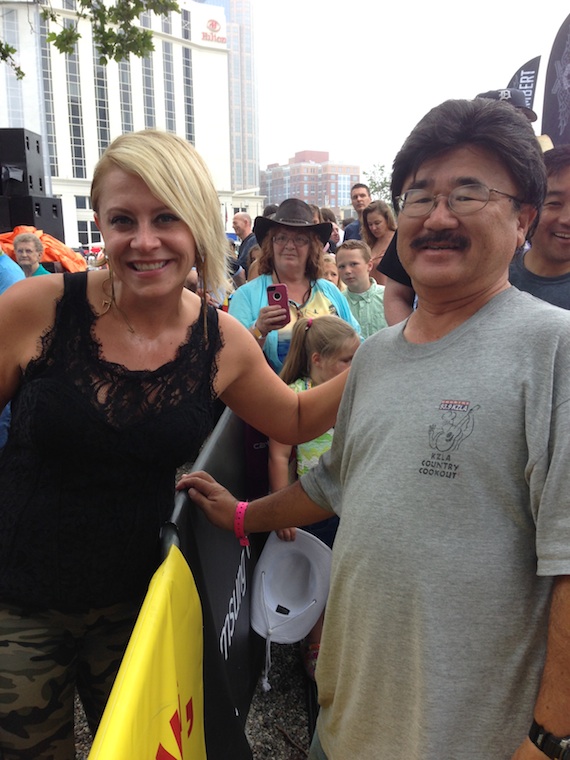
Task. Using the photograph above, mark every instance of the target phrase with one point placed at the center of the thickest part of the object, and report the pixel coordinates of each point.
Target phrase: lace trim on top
(123, 396)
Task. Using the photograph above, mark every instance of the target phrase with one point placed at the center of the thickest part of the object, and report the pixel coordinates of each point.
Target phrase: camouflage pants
(44, 656)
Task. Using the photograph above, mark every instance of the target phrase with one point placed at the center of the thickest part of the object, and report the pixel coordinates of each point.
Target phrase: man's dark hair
(557, 159)
(328, 215)
(493, 125)
(270, 209)
(360, 184)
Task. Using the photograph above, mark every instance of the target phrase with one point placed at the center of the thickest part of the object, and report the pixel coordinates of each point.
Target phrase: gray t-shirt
(555, 290)
(454, 500)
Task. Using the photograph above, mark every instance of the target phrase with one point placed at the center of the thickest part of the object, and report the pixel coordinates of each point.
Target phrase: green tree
(113, 31)
(378, 180)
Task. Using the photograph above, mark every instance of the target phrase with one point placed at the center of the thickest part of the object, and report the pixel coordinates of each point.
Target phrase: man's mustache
(450, 240)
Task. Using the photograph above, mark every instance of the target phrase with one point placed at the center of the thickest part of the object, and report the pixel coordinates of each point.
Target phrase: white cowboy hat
(290, 589)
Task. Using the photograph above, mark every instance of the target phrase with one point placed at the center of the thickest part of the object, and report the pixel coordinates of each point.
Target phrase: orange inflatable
(54, 249)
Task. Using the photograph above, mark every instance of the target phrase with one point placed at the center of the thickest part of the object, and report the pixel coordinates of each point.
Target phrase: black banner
(525, 80)
(223, 572)
(556, 111)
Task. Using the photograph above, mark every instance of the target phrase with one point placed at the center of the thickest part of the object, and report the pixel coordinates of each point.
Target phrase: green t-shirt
(309, 453)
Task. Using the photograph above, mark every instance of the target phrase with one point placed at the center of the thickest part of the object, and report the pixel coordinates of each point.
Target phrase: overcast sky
(353, 77)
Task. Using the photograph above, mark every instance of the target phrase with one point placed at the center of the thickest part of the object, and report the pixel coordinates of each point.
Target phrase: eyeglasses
(463, 200)
(298, 240)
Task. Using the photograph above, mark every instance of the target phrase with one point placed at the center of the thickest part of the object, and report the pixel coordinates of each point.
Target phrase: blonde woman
(113, 375)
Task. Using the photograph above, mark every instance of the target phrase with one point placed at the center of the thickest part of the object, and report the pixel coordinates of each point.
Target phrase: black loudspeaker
(41, 212)
(5, 223)
(21, 163)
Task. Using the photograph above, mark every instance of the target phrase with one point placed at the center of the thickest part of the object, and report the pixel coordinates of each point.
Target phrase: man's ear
(96, 219)
(526, 217)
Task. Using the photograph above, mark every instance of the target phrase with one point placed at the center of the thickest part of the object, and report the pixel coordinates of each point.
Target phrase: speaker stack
(22, 185)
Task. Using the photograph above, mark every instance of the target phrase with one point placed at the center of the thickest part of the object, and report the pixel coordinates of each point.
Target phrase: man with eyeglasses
(453, 551)
(400, 296)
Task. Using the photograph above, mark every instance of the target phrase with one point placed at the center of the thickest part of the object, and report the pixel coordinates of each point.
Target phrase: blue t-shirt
(10, 272)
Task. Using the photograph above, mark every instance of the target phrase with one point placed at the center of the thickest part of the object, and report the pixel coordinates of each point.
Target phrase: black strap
(552, 746)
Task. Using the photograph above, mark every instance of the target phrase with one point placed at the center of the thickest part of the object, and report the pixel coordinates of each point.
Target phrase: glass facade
(169, 104)
(186, 25)
(101, 101)
(48, 99)
(87, 104)
(125, 96)
(148, 93)
(88, 233)
(75, 112)
(12, 98)
(189, 127)
(243, 103)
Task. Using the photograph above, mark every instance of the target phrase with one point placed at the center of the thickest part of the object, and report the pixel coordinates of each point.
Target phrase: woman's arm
(27, 310)
(278, 464)
(398, 301)
(248, 385)
(278, 467)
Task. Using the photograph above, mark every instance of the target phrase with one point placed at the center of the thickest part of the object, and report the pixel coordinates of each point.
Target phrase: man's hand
(528, 751)
(214, 500)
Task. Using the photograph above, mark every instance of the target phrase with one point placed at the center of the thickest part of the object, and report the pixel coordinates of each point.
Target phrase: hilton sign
(212, 34)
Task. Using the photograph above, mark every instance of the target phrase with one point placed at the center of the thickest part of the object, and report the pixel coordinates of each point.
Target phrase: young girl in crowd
(320, 349)
(331, 270)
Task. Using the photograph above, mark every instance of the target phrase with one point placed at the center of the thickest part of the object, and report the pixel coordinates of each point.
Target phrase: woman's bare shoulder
(234, 334)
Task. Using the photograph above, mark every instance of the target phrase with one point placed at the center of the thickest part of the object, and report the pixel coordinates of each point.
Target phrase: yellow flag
(156, 706)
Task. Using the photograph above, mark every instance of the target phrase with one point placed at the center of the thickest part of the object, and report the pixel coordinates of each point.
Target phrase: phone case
(277, 296)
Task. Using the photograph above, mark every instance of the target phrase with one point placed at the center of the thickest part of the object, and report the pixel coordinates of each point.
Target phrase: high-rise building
(78, 105)
(312, 177)
(243, 103)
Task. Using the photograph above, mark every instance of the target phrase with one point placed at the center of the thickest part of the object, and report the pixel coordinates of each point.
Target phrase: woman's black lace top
(87, 475)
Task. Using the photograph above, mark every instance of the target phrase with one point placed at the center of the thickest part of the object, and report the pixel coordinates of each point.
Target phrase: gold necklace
(107, 303)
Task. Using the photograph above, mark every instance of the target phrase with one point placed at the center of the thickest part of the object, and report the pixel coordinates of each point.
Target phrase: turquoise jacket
(247, 301)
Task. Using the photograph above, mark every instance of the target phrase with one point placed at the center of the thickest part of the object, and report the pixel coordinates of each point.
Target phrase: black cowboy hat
(292, 213)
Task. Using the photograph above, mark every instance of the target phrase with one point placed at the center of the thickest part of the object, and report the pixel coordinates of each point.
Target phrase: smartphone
(277, 296)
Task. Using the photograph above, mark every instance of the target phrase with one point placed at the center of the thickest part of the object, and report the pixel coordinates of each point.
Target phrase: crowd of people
(437, 465)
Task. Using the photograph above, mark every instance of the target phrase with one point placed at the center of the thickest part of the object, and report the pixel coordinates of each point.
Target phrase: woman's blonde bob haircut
(177, 175)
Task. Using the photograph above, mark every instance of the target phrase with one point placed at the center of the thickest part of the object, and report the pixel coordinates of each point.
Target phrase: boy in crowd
(365, 297)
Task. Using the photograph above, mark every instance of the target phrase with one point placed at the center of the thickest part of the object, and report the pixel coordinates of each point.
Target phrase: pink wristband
(239, 519)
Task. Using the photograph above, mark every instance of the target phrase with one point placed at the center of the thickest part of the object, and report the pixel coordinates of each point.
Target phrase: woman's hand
(270, 318)
(214, 500)
(287, 534)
